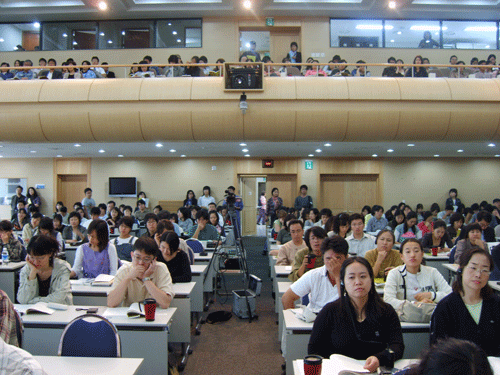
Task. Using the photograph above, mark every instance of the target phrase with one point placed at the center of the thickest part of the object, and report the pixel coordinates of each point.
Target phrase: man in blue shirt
(238, 205)
(25, 74)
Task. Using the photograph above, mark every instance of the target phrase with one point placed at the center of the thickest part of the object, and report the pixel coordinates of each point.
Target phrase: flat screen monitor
(123, 187)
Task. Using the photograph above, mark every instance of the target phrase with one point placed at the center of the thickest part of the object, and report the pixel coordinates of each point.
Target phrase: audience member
(286, 253)
(309, 257)
(470, 237)
(377, 222)
(177, 261)
(31, 229)
(17, 252)
(408, 229)
(203, 231)
(8, 321)
(75, 234)
(206, 198)
(359, 242)
(384, 258)
(124, 243)
(439, 238)
(303, 200)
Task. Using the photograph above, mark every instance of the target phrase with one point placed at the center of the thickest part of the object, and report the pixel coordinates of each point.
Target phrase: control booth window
(178, 33)
(412, 34)
(69, 36)
(19, 37)
(469, 35)
(356, 33)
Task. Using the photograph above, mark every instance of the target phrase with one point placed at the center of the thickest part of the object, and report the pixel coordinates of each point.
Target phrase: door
(348, 193)
(30, 40)
(287, 186)
(280, 42)
(70, 189)
(249, 193)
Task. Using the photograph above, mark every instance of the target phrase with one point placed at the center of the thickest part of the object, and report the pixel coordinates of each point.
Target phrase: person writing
(413, 281)
(143, 278)
(472, 311)
(384, 258)
(359, 324)
(321, 284)
(44, 278)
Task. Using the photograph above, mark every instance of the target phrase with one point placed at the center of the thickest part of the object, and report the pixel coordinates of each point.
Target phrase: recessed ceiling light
(436, 156)
(59, 156)
(399, 32)
(2, 40)
(318, 150)
(65, 35)
(183, 156)
(33, 151)
(244, 150)
(101, 151)
(120, 156)
(497, 156)
(411, 145)
(170, 24)
(243, 144)
(374, 155)
(392, 5)
(101, 33)
(491, 145)
(247, 4)
(110, 41)
(174, 32)
(179, 40)
(172, 150)
(390, 150)
(159, 145)
(247, 155)
(36, 25)
(327, 144)
(75, 43)
(392, 40)
(1, 156)
(310, 155)
(77, 145)
(460, 150)
(102, 5)
(123, 33)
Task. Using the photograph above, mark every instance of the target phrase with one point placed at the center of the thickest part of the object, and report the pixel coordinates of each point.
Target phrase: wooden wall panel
(350, 166)
(72, 166)
(254, 166)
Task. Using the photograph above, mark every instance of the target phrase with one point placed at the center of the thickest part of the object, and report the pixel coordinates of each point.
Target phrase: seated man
(202, 230)
(359, 242)
(9, 241)
(142, 211)
(321, 284)
(143, 278)
(25, 74)
(94, 215)
(286, 253)
(445, 215)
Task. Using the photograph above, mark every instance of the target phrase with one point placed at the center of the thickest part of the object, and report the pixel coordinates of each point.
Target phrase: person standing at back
(88, 202)
(303, 200)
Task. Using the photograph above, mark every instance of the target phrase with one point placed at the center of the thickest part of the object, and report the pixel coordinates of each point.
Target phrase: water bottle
(5, 256)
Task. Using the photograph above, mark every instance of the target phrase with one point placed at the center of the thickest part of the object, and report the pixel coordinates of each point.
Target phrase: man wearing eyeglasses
(143, 278)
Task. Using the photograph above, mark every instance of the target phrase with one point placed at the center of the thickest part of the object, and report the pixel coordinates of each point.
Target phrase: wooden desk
(438, 262)
(8, 275)
(54, 365)
(297, 334)
(139, 339)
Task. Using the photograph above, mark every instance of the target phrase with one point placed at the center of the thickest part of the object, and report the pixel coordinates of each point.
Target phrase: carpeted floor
(237, 346)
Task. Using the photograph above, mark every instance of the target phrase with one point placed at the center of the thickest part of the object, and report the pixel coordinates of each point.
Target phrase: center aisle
(236, 346)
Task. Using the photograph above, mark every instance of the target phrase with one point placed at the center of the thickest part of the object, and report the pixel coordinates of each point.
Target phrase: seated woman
(46, 227)
(185, 221)
(177, 261)
(439, 238)
(308, 258)
(58, 223)
(124, 243)
(284, 234)
(469, 238)
(427, 224)
(74, 233)
(44, 278)
(384, 258)
(21, 219)
(397, 219)
(417, 71)
(313, 218)
(455, 227)
(72, 72)
(359, 324)
(115, 216)
(144, 71)
(214, 220)
(472, 311)
(98, 256)
(17, 252)
(190, 200)
(340, 225)
(408, 229)
(413, 281)
(279, 223)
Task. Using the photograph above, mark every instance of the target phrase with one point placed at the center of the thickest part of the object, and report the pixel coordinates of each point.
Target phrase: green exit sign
(269, 21)
(309, 164)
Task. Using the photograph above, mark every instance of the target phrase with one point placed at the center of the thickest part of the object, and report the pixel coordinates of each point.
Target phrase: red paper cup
(312, 365)
(434, 251)
(150, 309)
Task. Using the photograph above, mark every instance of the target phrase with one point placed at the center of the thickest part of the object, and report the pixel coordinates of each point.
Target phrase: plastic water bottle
(5, 256)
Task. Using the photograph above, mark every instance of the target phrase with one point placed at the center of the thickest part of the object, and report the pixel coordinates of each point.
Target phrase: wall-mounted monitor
(123, 187)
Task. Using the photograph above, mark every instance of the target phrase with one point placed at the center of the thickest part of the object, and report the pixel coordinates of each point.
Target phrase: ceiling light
(183, 156)
(411, 145)
(247, 4)
(247, 45)
(374, 155)
(488, 46)
(102, 5)
(460, 150)
(101, 33)
(75, 43)
(327, 144)
(491, 145)
(101, 151)
(120, 156)
(33, 151)
(2, 40)
(392, 5)
(243, 144)
(36, 25)
(59, 156)
(244, 150)
(399, 32)
(481, 28)
(497, 156)
(392, 40)
(311, 155)
(110, 41)
(170, 24)
(172, 150)
(247, 155)
(436, 156)
(77, 145)
(159, 145)
(65, 35)
(369, 27)
(1, 156)
(390, 150)
(123, 33)
(427, 28)
(318, 150)
(174, 32)
(179, 40)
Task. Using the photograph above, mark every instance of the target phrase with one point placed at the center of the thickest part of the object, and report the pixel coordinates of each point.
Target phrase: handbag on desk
(415, 312)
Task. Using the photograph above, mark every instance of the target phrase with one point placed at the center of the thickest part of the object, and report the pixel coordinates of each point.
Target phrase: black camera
(230, 198)
(243, 78)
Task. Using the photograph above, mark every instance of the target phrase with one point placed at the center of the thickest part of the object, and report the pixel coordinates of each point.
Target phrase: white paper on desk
(495, 365)
(288, 268)
(83, 281)
(39, 307)
(341, 363)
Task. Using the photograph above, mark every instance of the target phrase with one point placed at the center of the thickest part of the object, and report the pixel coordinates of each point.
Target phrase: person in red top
(427, 225)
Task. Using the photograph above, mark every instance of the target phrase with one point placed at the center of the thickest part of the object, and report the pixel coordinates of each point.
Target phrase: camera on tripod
(230, 199)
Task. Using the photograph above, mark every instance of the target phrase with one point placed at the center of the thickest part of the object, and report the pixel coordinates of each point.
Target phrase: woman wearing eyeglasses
(472, 311)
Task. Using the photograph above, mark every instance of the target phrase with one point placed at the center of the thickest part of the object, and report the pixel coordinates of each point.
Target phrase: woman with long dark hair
(408, 229)
(359, 324)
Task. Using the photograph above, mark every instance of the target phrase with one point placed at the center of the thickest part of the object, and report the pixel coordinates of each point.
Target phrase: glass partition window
(412, 34)
(356, 33)
(178, 33)
(19, 37)
(469, 35)
(126, 34)
(69, 36)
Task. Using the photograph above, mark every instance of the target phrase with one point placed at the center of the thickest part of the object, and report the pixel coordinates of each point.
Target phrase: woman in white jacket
(413, 281)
